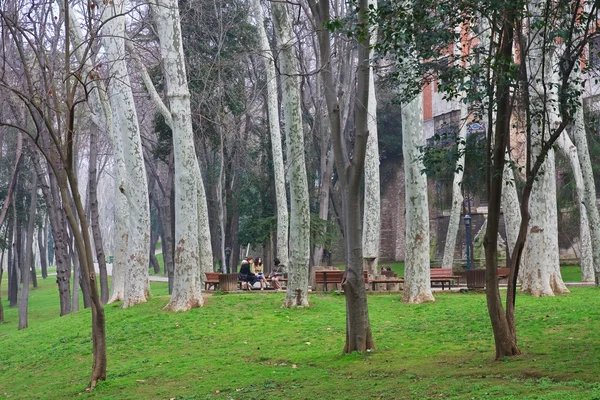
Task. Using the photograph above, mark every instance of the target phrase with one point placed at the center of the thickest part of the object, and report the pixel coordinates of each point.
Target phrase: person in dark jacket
(246, 275)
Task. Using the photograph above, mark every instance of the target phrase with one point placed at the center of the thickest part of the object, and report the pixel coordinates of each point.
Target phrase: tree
(372, 219)
(350, 172)
(192, 234)
(297, 288)
(273, 112)
(126, 135)
(53, 132)
(417, 285)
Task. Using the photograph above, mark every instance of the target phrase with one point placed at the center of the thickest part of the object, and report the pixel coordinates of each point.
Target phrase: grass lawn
(244, 346)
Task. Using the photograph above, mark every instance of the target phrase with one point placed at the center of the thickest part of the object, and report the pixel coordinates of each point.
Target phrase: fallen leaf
(308, 343)
(140, 380)
(217, 391)
(294, 366)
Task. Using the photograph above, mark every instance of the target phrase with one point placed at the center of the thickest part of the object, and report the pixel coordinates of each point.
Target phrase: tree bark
(299, 250)
(26, 265)
(358, 327)
(43, 248)
(586, 258)
(372, 219)
(53, 201)
(457, 197)
(95, 216)
(504, 338)
(589, 187)
(273, 113)
(187, 291)
(417, 285)
(540, 273)
(134, 185)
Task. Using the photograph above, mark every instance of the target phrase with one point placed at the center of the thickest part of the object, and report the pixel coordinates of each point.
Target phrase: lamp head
(467, 219)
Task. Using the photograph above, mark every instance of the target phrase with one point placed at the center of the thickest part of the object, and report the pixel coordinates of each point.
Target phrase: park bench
(387, 277)
(443, 276)
(212, 279)
(327, 277)
(503, 273)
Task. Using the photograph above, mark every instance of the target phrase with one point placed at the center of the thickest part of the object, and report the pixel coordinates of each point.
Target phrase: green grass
(246, 347)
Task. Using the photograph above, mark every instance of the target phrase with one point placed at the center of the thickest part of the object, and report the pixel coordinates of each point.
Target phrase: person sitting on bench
(276, 274)
(245, 275)
(258, 270)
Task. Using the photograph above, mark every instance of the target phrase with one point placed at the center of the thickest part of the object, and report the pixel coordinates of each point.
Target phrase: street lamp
(467, 219)
(227, 254)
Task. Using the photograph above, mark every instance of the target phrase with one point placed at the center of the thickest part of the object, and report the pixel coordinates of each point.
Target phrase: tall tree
(273, 113)
(372, 218)
(586, 259)
(417, 286)
(27, 263)
(126, 132)
(192, 234)
(350, 172)
(297, 288)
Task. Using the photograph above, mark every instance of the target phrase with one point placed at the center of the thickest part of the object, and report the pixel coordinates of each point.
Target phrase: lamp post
(227, 255)
(467, 219)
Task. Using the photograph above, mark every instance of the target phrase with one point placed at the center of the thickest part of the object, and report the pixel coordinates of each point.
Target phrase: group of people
(252, 271)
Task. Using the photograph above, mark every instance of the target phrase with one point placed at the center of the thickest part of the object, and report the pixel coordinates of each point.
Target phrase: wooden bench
(443, 276)
(327, 277)
(212, 279)
(503, 272)
(386, 278)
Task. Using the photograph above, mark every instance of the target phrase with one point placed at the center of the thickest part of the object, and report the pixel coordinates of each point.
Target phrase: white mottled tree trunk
(126, 130)
(511, 207)
(586, 260)
(417, 286)
(540, 274)
(299, 250)
(273, 111)
(457, 197)
(102, 117)
(589, 188)
(372, 218)
(187, 274)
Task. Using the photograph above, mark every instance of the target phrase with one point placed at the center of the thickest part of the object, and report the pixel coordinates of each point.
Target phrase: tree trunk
(26, 265)
(95, 215)
(43, 248)
(273, 113)
(53, 202)
(586, 260)
(187, 274)
(299, 251)
(540, 273)
(504, 337)
(372, 219)
(589, 187)
(358, 327)
(76, 280)
(510, 205)
(417, 286)
(153, 241)
(10, 263)
(457, 197)
(134, 185)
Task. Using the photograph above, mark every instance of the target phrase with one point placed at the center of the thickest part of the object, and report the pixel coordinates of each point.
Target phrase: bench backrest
(440, 272)
(331, 276)
(212, 276)
(503, 271)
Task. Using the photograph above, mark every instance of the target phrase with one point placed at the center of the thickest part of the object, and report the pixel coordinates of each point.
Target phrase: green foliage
(247, 347)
